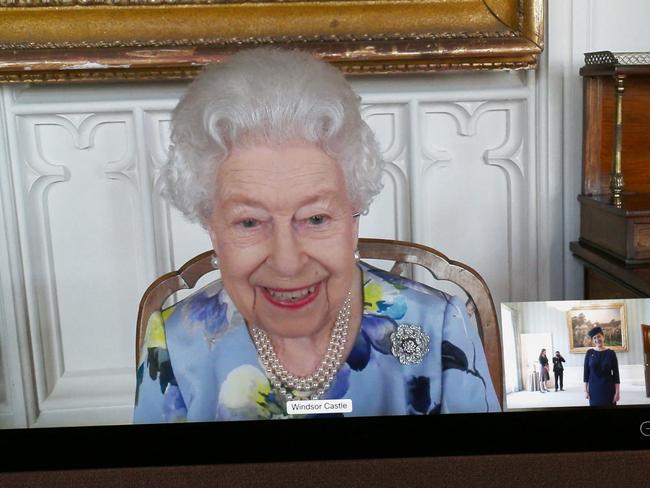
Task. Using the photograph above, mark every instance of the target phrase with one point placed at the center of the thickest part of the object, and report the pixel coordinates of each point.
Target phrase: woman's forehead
(251, 187)
(300, 158)
(299, 173)
(256, 172)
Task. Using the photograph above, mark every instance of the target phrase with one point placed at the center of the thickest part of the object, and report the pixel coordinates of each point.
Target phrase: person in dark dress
(602, 381)
(558, 370)
(544, 376)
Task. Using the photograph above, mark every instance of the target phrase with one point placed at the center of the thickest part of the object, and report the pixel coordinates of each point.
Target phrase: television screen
(498, 353)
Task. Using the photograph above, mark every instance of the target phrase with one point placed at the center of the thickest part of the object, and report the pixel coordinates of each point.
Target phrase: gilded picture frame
(112, 40)
(611, 317)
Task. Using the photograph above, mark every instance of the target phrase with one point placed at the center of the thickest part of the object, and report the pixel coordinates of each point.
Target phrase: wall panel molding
(41, 172)
(463, 144)
(389, 121)
(12, 405)
(156, 128)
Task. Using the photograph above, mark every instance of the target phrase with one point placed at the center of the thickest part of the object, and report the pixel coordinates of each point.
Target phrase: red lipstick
(291, 304)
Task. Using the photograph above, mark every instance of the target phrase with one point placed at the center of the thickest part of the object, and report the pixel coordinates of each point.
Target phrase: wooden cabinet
(614, 242)
(622, 231)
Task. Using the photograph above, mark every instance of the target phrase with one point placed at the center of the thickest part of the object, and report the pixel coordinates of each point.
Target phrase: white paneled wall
(482, 166)
(81, 231)
(461, 176)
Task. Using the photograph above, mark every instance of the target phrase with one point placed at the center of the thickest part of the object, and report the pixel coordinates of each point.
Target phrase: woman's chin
(292, 321)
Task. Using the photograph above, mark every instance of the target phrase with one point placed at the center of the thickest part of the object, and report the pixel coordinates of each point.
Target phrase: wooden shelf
(607, 277)
(623, 232)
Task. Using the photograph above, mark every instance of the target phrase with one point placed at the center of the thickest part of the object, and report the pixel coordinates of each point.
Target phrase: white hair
(267, 96)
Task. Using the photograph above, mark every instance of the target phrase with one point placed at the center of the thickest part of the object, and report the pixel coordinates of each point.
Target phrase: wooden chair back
(479, 302)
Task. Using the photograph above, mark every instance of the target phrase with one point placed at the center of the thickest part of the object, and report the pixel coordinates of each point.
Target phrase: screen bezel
(570, 429)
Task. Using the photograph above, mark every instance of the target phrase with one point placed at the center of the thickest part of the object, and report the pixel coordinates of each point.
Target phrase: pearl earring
(357, 256)
(216, 262)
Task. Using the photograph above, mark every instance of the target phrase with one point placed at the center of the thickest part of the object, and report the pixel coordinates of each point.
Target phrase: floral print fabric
(199, 363)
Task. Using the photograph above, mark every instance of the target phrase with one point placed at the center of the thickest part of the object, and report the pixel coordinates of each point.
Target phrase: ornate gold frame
(618, 306)
(86, 40)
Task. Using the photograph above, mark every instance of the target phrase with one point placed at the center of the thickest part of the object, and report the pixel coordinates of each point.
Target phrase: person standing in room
(558, 370)
(602, 381)
(544, 376)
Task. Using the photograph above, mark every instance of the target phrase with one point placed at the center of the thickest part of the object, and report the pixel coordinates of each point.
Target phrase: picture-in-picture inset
(576, 353)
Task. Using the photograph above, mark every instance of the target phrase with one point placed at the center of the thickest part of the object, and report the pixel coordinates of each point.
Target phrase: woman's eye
(317, 219)
(249, 223)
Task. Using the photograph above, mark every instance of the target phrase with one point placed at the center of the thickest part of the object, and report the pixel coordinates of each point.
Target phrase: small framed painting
(610, 317)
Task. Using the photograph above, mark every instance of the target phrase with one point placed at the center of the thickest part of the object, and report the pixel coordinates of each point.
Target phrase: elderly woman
(270, 154)
(602, 381)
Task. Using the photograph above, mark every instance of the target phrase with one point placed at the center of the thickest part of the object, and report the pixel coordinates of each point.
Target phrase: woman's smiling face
(285, 232)
(599, 341)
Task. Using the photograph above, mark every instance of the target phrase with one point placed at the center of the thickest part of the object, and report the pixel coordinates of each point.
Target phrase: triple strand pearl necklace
(310, 387)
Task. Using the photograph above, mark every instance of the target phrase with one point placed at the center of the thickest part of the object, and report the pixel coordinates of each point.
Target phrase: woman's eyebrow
(327, 198)
(243, 203)
(237, 197)
(239, 200)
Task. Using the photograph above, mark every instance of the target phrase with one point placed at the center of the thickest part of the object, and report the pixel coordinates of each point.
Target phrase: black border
(208, 443)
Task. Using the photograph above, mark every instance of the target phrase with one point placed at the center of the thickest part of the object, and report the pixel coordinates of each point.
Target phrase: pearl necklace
(310, 387)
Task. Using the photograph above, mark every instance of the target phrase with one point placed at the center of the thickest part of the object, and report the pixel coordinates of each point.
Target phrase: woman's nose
(286, 254)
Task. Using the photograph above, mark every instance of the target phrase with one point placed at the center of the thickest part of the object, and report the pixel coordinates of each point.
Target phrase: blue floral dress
(198, 362)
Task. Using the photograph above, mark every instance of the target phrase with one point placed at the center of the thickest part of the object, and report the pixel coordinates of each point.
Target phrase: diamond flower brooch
(409, 344)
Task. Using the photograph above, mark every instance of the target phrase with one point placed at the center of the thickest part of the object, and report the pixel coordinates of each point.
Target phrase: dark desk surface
(606, 469)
